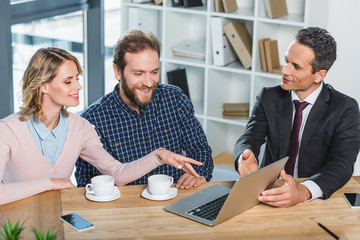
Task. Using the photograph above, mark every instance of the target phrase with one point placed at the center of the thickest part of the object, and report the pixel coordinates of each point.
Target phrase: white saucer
(172, 193)
(115, 195)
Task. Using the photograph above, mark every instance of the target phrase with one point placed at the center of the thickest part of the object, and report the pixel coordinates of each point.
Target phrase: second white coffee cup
(159, 184)
(101, 186)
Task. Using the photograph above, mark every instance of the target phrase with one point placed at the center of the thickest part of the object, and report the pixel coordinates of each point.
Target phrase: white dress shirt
(314, 189)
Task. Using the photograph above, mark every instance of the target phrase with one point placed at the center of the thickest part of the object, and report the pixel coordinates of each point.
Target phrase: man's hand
(187, 181)
(247, 163)
(178, 161)
(61, 183)
(286, 196)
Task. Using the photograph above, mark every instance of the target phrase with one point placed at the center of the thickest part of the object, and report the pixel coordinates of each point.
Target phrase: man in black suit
(329, 136)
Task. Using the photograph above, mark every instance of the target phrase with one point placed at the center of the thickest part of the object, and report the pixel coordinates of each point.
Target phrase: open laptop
(218, 203)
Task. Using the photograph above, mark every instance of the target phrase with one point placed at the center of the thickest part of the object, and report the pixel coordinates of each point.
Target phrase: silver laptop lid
(242, 196)
(245, 192)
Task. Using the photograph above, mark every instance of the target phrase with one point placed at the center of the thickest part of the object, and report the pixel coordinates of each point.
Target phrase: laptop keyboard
(209, 210)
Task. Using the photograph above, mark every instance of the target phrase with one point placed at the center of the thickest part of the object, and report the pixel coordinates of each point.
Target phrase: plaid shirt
(167, 122)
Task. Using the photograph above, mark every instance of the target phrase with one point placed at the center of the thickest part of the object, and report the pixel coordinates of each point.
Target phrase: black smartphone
(353, 199)
(77, 222)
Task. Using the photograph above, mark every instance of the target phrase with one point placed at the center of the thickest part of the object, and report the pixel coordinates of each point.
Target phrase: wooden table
(132, 216)
(39, 211)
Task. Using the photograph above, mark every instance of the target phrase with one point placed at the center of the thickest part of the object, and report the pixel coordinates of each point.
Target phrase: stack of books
(269, 55)
(190, 48)
(236, 110)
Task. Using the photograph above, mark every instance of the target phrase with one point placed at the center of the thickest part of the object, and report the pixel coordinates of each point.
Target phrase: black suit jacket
(330, 141)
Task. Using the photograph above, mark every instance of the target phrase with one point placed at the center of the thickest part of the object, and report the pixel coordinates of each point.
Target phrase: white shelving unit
(209, 85)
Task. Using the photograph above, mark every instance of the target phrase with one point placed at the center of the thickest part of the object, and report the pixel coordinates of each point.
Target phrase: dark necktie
(294, 142)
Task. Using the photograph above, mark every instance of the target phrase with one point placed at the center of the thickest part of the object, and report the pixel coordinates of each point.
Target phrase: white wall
(343, 24)
(343, 20)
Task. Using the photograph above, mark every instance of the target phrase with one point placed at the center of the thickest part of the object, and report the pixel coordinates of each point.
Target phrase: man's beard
(131, 93)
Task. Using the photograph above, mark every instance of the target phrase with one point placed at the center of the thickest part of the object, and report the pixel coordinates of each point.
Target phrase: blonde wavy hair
(42, 68)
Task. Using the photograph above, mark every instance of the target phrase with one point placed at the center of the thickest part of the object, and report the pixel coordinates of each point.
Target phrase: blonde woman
(40, 145)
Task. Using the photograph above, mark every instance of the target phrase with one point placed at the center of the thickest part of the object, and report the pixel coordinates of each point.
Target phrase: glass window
(112, 33)
(63, 31)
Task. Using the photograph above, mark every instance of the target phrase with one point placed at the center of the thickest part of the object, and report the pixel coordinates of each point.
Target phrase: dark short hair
(133, 42)
(323, 45)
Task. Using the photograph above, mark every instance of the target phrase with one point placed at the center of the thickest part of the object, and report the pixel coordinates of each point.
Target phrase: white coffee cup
(159, 184)
(101, 186)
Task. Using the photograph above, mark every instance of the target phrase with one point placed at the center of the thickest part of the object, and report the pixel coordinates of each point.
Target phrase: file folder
(222, 51)
(276, 8)
(143, 19)
(192, 3)
(240, 39)
(218, 5)
(178, 78)
(229, 5)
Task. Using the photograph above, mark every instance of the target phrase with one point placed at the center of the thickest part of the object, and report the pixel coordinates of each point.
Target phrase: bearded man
(141, 115)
